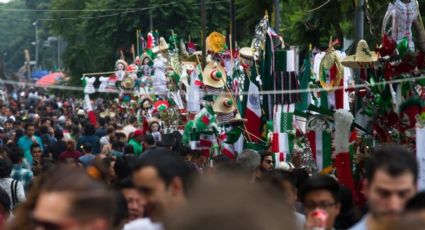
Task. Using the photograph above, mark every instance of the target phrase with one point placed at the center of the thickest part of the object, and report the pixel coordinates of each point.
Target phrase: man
(391, 175)
(131, 127)
(88, 157)
(37, 156)
(27, 140)
(20, 173)
(248, 161)
(135, 200)
(70, 199)
(319, 195)
(136, 142)
(149, 143)
(284, 183)
(164, 179)
(266, 165)
(101, 130)
(59, 146)
(89, 137)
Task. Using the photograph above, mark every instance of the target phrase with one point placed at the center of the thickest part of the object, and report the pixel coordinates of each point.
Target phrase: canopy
(39, 74)
(50, 79)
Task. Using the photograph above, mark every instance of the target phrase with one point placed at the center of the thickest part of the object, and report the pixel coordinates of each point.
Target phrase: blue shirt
(361, 225)
(87, 159)
(22, 174)
(25, 144)
(93, 140)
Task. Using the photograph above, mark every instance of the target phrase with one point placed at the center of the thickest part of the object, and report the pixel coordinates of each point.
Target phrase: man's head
(36, 151)
(135, 200)
(391, 174)
(16, 155)
(8, 124)
(132, 120)
(321, 193)
(248, 160)
(89, 129)
(266, 162)
(284, 182)
(5, 168)
(69, 199)
(149, 141)
(138, 135)
(164, 179)
(29, 129)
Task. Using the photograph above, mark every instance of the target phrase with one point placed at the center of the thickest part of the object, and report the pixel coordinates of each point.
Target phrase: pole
(59, 53)
(233, 24)
(276, 16)
(36, 43)
(150, 21)
(203, 32)
(359, 33)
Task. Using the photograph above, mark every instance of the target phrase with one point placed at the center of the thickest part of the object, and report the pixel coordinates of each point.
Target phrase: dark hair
(27, 125)
(44, 129)
(128, 149)
(58, 134)
(89, 129)
(417, 203)
(149, 139)
(16, 155)
(118, 145)
(277, 177)
(124, 166)
(101, 121)
(5, 168)
(393, 159)
(33, 146)
(132, 119)
(320, 182)
(125, 183)
(168, 167)
(5, 200)
(86, 147)
(264, 155)
(121, 210)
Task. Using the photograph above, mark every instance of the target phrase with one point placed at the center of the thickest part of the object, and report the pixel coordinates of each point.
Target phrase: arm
(20, 193)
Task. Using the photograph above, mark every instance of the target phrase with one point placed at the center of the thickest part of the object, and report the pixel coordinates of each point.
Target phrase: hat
(163, 45)
(161, 105)
(120, 61)
(81, 112)
(62, 119)
(246, 52)
(224, 104)
(127, 83)
(107, 113)
(216, 42)
(137, 133)
(214, 75)
(237, 119)
(362, 59)
(145, 55)
(331, 72)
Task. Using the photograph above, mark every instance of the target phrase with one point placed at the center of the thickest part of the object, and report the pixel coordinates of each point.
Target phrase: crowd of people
(59, 171)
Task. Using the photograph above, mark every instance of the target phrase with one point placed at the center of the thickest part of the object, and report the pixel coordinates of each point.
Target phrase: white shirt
(128, 129)
(20, 193)
(143, 224)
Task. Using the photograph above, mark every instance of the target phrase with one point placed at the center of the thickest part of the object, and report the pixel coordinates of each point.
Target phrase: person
(248, 161)
(216, 205)
(349, 213)
(284, 183)
(391, 175)
(59, 146)
(131, 127)
(165, 180)
(135, 200)
(27, 140)
(14, 188)
(136, 142)
(88, 157)
(148, 144)
(265, 166)
(20, 173)
(70, 152)
(73, 200)
(89, 137)
(5, 208)
(117, 149)
(107, 140)
(101, 130)
(109, 164)
(37, 155)
(124, 165)
(319, 195)
(414, 212)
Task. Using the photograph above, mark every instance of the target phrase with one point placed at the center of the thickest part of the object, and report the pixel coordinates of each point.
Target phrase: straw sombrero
(224, 104)
(214, 75)
(331, 72)
(237, 120)
(107, 113)
(120, 61)
(246, 52)
(363, 58)
(127, 83)
(163, 45)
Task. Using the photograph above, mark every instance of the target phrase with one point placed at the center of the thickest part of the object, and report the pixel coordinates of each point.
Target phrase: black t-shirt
(57, 148)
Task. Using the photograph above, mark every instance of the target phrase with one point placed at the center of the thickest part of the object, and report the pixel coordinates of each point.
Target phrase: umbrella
(39, 74)
(49, 79)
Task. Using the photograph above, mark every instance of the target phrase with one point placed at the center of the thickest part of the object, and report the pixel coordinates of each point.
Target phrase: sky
(4, 1)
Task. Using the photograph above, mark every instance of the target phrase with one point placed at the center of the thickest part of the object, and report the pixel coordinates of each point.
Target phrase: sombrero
(237, 120)
(163, 45)
(331, 72)
(107, 113)
(145, 55)
(127, 83)
(224, 104)
(362, 59)
(246, 52)
(120, 61)
(214, 75)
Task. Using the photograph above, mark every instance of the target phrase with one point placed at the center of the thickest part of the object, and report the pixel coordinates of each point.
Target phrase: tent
(50, 79)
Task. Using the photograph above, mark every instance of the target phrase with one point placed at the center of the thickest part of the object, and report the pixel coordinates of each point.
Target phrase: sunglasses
(269, 161)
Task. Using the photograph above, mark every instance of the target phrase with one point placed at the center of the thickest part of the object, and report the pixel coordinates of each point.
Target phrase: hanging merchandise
(319, 135)
(159, 77)
(103, 84)
(364, 58)
(224, 107)
(120, 68)
(402, 15)
(216, 42)
(88, 85)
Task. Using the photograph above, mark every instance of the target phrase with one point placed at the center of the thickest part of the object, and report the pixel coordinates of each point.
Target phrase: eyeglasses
(322, 205)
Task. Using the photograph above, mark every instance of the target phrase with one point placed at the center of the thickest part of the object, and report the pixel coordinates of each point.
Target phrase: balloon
(403, 46)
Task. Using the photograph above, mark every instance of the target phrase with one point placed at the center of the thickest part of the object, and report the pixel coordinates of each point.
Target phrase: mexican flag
(282, 129)
(89, 107)
(253, 112)
(321, 147)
